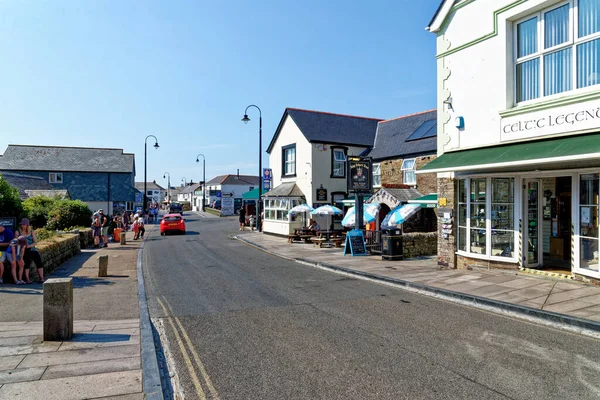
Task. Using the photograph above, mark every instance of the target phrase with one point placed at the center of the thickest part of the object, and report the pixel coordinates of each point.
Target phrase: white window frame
(53, 177)
(279, 205)
(376, 175)
(341, 172)
(291, 164)
(488, 226)
(572, 43)
(411, 170)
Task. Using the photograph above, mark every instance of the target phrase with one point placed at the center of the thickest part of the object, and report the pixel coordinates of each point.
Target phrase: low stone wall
(57, 250)
(85, 238)
(416, 244)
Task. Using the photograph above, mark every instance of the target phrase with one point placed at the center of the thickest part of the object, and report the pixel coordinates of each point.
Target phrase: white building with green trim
(518, 134)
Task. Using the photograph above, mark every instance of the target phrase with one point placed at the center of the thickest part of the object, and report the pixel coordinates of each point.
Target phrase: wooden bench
(319, 241)
(307, 238)
(292, 238)
(338, 241)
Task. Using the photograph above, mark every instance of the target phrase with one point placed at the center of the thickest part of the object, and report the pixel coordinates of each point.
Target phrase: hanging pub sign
(359, 174)
(321, 194)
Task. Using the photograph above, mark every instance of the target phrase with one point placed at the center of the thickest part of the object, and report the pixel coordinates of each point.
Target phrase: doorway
(547, 224)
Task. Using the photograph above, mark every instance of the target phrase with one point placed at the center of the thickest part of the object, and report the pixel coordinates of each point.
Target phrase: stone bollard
(122, 238)
(102, 266)
(58, 309)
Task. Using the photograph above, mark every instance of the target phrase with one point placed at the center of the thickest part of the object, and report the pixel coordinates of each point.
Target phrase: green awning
(428, 201)
(251, 195)
(567, 149)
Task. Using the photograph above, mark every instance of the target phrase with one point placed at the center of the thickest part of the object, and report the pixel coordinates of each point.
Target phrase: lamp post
(203, 177)
(145, 204)
(245, 119)
(168, 185)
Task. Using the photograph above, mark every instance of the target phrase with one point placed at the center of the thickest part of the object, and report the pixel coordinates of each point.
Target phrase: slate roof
(149, 186)
(55, 158)
(27, 183)
(188, 189)
(232, 179)
(64, 193)
(288, 189)
(436, 13)
(390, 140)
(324, 127)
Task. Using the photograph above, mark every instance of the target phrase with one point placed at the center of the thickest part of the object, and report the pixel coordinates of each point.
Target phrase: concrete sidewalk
(103, 358)
(568, 298)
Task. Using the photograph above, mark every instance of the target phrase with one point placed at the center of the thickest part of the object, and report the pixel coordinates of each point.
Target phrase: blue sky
(108, 73)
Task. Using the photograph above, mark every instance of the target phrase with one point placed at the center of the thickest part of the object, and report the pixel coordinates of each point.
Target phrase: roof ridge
(409, 115)
(331, 113)
(67, 147)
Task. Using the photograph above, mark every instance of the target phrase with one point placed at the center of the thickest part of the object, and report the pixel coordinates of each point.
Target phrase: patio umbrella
(327, 210)
(300, 208)
(400, 214)
(370, 212)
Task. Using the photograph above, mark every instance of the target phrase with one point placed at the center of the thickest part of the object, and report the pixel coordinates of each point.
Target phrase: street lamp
(245, 120)
(203, 177)
(168, 185)
(146, 167)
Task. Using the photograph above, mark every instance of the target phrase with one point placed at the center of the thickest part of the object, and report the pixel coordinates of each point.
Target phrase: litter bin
(391, 244)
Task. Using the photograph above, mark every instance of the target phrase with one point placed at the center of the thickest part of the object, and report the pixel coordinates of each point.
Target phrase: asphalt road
(243, 324)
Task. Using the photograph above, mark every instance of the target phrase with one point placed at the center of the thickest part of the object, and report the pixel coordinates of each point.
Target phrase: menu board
(355, 243)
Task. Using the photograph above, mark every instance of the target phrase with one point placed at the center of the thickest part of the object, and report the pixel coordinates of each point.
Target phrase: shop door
(532, 217)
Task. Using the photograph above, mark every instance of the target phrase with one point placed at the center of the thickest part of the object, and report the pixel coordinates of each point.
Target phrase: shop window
(338, 163)
(376, 175)
(477, 218)
(409, 177)
(588, 221)
(462, 215)
(56, 177)
(503, 217)
(277, 209)
(557, 50)
(289, 160)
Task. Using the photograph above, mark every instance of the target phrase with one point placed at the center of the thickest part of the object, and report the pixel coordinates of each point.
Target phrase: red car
(172, 223)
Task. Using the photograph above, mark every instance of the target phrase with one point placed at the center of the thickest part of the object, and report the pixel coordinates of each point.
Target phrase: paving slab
(566, 306)
(77, 387)
(29, 348)
(20, 340)
(90, 368)
(572, 295)
(10, 362)
(78, 356)
(21, 374)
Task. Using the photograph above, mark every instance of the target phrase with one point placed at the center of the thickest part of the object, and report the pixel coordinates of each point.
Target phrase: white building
(230, 185)
(154, 192)
(186, 193)
(518, 133)
(308, 161)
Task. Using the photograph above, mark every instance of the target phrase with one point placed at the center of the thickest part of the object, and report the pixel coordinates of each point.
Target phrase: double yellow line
(185, 352)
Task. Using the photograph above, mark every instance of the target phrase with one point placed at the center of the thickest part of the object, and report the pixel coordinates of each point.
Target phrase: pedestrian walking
(104, 224)
(251, 222)
(141, 229)
(242, 218)
(96, 230)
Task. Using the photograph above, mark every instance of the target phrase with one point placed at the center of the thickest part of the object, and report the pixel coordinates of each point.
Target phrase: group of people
(242, 220)
(101, 224)
(18, 248)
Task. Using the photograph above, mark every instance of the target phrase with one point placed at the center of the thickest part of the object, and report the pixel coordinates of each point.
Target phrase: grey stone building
(102, 178)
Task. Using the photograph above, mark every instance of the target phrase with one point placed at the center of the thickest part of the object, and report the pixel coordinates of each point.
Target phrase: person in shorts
(96, 230)
(15, 255)
(32, 255)
(104, 224)
(6, 235)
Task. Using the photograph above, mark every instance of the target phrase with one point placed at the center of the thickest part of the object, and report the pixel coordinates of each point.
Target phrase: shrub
(10, 202)
(37, 209)
(44, 234)
(67, 213)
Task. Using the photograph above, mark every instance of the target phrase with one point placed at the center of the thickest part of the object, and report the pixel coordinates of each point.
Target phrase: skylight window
(426, 130)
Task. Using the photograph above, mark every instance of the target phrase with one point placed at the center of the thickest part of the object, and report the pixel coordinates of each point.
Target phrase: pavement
(104, 357)
(567, 304)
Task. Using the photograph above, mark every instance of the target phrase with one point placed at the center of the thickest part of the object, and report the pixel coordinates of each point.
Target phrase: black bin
(391, 244)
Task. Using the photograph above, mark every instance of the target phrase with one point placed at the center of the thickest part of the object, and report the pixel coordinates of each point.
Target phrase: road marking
(205, 376)
(186, 357)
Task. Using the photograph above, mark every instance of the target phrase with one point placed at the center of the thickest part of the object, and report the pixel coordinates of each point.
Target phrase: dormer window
(557, 50)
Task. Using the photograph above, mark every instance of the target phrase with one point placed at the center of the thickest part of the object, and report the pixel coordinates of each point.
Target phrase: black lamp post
(259, 202)
(168, 185)
(146, 168)
(203, 177)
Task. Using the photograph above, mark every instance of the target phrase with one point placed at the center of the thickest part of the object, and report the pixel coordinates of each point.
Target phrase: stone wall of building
(446, 247)
(463, 262)
(391, 174)
(419, 244)
(426, 183)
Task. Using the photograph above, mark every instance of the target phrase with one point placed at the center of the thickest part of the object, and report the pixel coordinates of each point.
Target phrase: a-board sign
(8, 222)
(355, 243)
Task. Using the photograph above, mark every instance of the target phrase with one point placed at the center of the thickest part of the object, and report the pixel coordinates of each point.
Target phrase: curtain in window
(588, 63)
(528, 77)
(556, 28)
(589, 17)
(557, 72)
(527, 37)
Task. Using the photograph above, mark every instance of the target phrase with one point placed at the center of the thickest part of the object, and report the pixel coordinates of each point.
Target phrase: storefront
(276, 205)
(528, 205)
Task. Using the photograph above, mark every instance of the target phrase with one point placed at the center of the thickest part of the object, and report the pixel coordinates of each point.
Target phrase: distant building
(102, 178)
(30, 186)
(231, 185)
(155, 192)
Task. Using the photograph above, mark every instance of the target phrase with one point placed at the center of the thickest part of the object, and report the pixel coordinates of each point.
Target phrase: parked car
(176, 208)
(172, 223)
